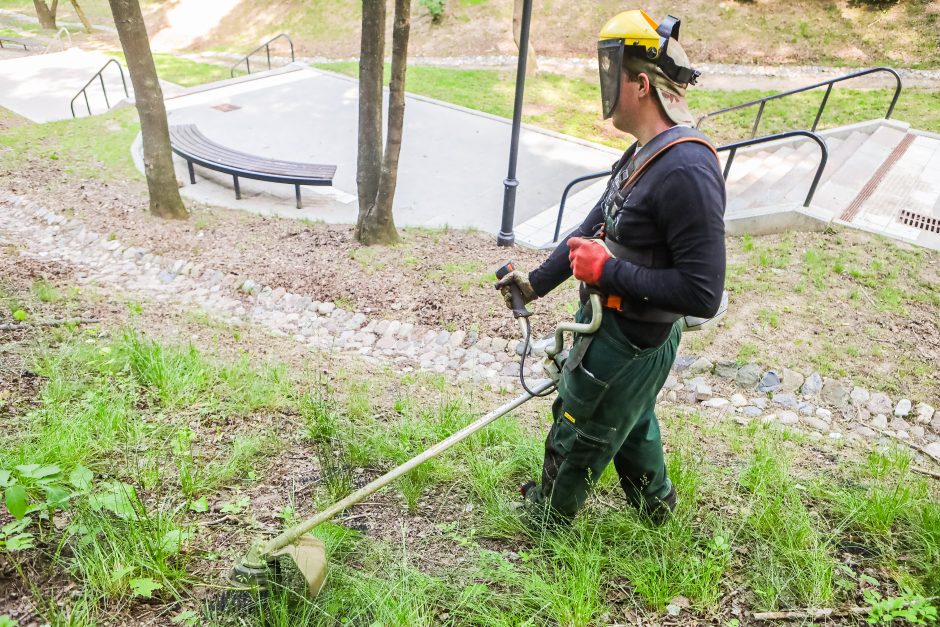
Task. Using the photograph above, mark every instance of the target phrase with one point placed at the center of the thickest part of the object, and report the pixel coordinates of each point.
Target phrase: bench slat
(188, 141)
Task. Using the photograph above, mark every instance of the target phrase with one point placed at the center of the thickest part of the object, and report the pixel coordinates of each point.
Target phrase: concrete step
(792, 188)
(854, 172)
(779, 165)
(762, 162)
(743, 164)
(538, 231)
(838, 154)
(911, 185)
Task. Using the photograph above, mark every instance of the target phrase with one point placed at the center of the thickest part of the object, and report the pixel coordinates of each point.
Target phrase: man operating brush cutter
(653, 246)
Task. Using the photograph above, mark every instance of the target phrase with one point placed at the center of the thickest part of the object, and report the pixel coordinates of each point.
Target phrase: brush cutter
(309, 554)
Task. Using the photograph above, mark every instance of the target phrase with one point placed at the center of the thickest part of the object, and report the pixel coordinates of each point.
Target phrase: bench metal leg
(238, 190)
(297, 192)
(192, 173)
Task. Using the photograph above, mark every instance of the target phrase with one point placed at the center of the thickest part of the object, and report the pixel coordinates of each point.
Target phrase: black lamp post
(506, 237)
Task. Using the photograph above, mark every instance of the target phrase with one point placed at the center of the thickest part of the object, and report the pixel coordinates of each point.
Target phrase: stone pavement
(452, 166)
(780, 398)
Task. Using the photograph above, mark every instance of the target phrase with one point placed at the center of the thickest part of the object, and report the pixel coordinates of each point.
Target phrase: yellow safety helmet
(636, 34)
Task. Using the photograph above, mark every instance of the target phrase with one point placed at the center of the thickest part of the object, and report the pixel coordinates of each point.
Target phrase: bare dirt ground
(843, 303)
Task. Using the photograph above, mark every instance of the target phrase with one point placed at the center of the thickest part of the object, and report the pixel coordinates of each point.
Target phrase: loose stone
(824, 414)
(752, 411)
(702, 392)
(933, 449)
(865, 432)
(859, 396)
(903, 407)
(748, 376)
(790, 380)
(671, 382)
(812, 385)
(325, 309)
(899, 424)
(924, 413)
(788, 417)
(835, 393)
(738, 400)
(726, 369)
(759, 402)
(683, 362)
(769, 382)
(785, 399)
(880, 421)
(879, 404)
(716, 403)
(701, 366)
(806, 408)
(815, 423)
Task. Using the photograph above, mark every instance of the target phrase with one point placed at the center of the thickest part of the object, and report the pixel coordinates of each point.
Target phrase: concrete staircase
(881, 176)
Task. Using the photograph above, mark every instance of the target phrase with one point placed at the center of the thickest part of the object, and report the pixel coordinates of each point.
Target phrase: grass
(182, 71)
(571, 105)
(129, 442)
(841, 281)
(97, 147)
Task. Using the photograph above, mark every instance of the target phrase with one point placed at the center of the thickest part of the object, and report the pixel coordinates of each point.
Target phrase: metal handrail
(732, 149)
(822, 105)
(58, 38)
(267, 49)
(104, 90)
(13, 41)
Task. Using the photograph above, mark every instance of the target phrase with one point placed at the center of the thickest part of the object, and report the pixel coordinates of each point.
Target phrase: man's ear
(643, 84)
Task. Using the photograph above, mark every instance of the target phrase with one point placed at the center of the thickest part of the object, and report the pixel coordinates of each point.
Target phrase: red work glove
(587, 258)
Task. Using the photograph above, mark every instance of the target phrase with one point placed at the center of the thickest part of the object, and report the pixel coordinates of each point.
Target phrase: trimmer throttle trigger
(518, 303)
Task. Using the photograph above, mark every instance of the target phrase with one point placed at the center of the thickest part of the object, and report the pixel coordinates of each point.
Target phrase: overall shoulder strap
(660, 144)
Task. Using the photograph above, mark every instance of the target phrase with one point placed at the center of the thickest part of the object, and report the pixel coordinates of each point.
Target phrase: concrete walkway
(452, 166)
(40, 86)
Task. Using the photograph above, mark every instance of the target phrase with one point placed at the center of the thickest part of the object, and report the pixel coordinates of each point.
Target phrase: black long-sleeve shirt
(677, 206)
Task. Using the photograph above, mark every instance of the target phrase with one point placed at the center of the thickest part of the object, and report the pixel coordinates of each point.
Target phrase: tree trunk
(81, 16)
(45, 14)
(374, 224)
(532, 62)
(165, 198)
(371, 68)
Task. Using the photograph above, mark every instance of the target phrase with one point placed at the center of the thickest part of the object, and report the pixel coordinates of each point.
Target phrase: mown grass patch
(183, 71)
(572, 105)
(95, 147)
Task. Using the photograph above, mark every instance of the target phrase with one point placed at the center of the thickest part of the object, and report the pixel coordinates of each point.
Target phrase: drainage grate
(225, 107)
(919, 221)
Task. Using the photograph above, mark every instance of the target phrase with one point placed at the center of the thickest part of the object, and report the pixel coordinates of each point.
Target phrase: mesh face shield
(609, 61)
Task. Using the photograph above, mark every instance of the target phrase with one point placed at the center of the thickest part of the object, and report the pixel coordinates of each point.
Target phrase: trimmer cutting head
(257, 570)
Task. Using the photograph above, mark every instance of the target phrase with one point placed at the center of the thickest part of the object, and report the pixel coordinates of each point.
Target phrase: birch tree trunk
(45, 14)
(81, 16)
(376, 224)
(165, 200)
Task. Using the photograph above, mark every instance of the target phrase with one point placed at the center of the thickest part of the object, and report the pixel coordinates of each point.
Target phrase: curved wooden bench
(189, 143)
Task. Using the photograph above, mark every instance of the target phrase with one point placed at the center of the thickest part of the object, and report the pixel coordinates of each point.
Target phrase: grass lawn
(572, 105)
(182, 71)
(125, 447)
(97, 146)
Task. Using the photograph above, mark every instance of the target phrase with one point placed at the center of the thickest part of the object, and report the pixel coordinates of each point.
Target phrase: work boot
(660, 510)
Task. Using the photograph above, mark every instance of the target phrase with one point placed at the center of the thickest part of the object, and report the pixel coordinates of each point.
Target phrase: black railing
(104, 90)
(762, 102)
(267, 51)
(732, 150)
(15, 42)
